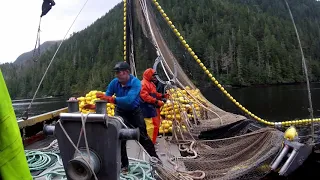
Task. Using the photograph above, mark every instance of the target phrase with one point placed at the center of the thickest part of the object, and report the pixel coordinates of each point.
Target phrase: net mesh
(240, 157)
(215, 115)
(243, 156)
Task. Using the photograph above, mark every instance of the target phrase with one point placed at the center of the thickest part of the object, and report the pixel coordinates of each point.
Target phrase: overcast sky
(19, 22)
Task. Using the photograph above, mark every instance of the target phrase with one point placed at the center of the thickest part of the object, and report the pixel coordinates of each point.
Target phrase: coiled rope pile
(43, 159)
(38, 160)
(138, 170)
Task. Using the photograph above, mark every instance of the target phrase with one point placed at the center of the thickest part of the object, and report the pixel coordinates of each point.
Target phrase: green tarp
(13, 163)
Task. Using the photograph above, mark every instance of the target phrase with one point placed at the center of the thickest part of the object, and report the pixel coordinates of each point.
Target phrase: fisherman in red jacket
(151, 100)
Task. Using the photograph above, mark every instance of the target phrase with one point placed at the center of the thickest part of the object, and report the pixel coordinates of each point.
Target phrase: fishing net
(242, 155)
(155, 28)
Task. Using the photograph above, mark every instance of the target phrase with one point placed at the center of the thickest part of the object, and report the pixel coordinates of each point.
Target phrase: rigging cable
(37, 45)
(154, 41)
(143, 5)
(305, 72)
(164, 63)
(222, 89)
(25, 113)
(131, 51)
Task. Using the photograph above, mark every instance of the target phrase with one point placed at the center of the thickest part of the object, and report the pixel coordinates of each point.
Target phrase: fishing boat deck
(133, 149)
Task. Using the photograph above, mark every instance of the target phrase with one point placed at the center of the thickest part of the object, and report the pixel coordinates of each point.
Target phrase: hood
(147, 75)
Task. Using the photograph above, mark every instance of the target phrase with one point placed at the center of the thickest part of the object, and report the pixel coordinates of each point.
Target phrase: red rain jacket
(148, 91)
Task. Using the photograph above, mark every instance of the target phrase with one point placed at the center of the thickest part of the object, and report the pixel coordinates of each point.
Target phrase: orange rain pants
(153, 125)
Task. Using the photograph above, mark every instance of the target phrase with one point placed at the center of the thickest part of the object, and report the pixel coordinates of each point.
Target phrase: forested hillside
(243, 42)
(32, 55)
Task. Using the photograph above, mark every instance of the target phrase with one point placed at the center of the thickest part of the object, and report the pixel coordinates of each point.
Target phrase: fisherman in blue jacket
(127, 88)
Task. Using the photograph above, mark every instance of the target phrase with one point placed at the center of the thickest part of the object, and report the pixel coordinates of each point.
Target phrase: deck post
(99, 151)
(101, 107)
(73, 106)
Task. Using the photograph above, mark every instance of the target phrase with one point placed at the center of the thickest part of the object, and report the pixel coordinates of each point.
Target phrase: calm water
(39, 106)
(275, 103)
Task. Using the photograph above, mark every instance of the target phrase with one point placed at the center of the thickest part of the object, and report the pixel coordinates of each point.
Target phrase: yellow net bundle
(90, 98)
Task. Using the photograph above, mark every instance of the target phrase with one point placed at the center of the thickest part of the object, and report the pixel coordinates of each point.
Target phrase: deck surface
(134, 151)
(40, 144)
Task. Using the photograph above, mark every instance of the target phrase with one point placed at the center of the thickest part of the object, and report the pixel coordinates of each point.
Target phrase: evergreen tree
(242, 42)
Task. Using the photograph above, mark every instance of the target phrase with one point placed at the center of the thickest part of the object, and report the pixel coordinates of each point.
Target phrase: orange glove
(106, 98)
(165, 96)
(159, 103)
(100, 95)
(110, 99)
(89, 106)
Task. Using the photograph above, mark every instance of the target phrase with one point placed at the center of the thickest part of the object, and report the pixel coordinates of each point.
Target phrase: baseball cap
(120, 66)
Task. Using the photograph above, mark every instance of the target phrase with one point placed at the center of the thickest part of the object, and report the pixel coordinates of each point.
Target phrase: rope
(138, 171)
(26, 112)
(196, 101)
(124, 125)
(177, 124)
(145, 11)
(37, 43)
(164, 15)
(38, 160)
(83, 119)
(187, 175)
(154, 41)
(305, 71)
(215, 81)
(197, 174)
(52, 147)
(131, 51)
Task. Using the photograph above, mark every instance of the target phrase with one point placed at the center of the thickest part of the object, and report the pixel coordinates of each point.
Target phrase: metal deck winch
(98, 140)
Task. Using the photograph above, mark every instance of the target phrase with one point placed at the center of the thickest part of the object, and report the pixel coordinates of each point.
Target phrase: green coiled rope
(138, 171)
(38, 160)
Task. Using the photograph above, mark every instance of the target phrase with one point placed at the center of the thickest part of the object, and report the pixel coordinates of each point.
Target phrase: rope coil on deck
(138, 170)
(38, 160)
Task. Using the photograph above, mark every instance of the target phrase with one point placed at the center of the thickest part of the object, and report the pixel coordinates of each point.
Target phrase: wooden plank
(163, 148)
(134, 151)
(40, 118)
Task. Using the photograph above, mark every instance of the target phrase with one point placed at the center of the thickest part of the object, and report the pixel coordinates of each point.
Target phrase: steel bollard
(73, 106)
(101, 107)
